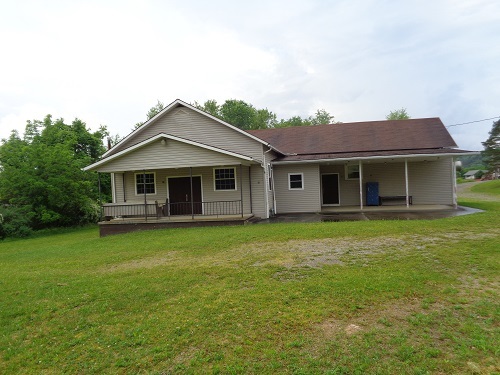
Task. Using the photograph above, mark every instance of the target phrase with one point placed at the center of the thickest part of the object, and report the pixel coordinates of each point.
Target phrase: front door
(330, 189)
(179, 196)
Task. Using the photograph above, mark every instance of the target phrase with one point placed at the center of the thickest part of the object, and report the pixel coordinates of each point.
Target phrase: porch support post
(406, 184)
(100, 201)
(191, 186)
(145, 196)
(454, 182)
(360, 184)
(241, 189)
(250, 186)
(124, 190)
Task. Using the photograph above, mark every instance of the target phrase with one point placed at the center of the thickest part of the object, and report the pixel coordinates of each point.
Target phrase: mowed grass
(387, 297)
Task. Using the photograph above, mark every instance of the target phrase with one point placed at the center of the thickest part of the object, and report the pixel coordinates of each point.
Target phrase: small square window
(295, 181)
(352, 172)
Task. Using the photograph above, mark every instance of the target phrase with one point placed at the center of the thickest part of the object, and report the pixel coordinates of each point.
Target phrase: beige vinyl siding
(258, 191)
(186, 123)
(431, 182)
(305, 200)
(173, 154)
(207, 180)
(268, 157)
(118, 192)
(348, 189)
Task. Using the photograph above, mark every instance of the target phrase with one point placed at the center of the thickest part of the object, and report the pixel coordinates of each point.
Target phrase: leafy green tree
(398, 114)
(41, 173)
(294, 121)
(153, 111)
(210, 106)
(491, 153)
(321, 117)
(238, 113)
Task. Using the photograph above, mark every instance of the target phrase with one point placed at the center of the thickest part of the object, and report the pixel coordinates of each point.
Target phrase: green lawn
(412, 297)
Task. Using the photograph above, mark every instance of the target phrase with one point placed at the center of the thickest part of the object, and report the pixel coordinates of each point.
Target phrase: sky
(108, 62)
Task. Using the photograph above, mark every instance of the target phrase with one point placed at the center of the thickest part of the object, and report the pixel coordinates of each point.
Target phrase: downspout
(272, 186)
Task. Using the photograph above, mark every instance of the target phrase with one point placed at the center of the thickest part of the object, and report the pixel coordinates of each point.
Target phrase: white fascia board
(374, 158)
(167, 136)
(174, 104)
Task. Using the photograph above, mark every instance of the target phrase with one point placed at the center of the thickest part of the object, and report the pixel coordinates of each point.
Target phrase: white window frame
(356, 169)
(235, 179)
(301, 181)
(135, 183)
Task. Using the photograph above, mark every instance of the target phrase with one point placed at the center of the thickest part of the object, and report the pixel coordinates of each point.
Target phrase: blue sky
(108, 62)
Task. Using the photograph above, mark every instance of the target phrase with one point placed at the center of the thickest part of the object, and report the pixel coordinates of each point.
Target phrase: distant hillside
(472, 161)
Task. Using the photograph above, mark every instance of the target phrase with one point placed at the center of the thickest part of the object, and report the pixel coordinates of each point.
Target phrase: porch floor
(132, 224)
(420, 212)
(386, 208)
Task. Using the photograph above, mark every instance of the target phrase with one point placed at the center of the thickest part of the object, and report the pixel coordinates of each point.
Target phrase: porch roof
(164, 136)
(390, 154)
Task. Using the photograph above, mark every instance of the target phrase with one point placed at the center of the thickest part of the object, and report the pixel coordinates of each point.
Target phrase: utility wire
(471, 122)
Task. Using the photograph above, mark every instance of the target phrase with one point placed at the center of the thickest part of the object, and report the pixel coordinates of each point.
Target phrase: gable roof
(360, 137)
(175, 104)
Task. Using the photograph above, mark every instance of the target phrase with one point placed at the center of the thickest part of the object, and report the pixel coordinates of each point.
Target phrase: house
(185, 166)
(474, 174)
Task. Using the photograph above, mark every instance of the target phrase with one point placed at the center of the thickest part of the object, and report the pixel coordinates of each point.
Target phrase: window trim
(301, 180)
(135, 183)
(235, 179)
(346, 170)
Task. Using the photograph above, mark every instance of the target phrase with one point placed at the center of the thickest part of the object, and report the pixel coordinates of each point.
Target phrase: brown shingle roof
(359, 137)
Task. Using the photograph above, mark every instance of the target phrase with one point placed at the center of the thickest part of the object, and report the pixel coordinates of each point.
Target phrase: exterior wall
(208, 191)
(172, 154)
(306, 200)
(429, 182)
(268, 157)
(186, 123)
(258, 191)
(348, 189)
(118, 185)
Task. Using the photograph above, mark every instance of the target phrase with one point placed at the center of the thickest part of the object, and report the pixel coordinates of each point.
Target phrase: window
(295, 181)
(145, 181)
(224, 179)
(352, 172)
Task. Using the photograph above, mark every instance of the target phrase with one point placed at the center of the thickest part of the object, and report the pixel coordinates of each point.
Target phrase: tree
(398, 114)
(153, 111)
(41, 173)
(321, 117)
(491, 153)
(238, 113)
(210, 106)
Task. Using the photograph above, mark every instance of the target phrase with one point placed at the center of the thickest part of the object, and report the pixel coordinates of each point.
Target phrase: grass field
(386, 297)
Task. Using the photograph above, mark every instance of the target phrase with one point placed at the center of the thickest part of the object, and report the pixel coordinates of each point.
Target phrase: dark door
(179, 196)
(330, 188)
